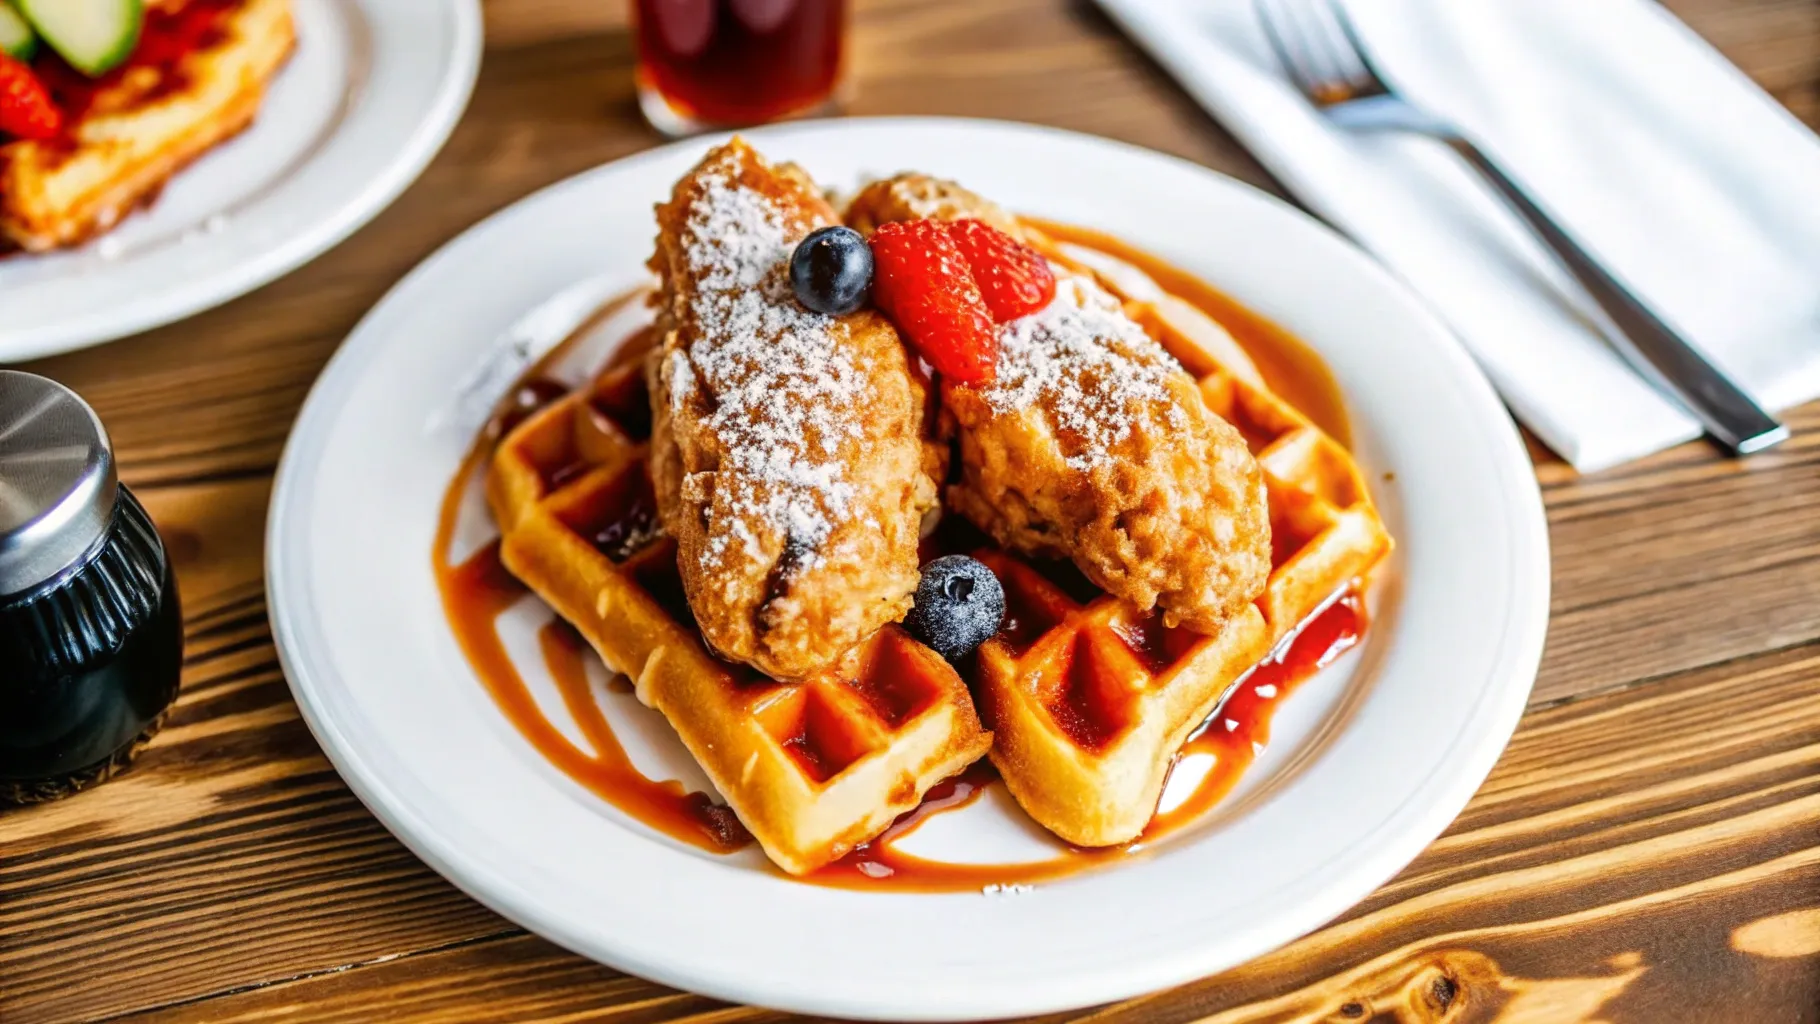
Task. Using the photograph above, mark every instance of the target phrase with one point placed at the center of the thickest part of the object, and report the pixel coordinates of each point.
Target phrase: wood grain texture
(1648, 849)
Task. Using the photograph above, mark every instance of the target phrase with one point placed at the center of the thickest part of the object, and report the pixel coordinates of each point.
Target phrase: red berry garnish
(922, 283)
(1014, 280)
(26, 109)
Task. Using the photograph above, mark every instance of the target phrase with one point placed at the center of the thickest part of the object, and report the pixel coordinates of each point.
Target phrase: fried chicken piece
(1093, 444)
(787, 448)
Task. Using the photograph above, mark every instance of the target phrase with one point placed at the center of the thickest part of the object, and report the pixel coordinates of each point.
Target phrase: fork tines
(1317, 45)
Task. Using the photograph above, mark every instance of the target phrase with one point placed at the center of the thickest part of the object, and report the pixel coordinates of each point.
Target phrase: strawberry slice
(921, 281)
(26, 109)
(1014, 280)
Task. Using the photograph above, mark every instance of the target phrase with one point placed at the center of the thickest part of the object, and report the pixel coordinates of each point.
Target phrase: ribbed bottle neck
(87, 613)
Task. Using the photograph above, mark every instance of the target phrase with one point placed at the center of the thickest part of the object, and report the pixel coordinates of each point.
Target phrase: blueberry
(831, 270)
(959, 603)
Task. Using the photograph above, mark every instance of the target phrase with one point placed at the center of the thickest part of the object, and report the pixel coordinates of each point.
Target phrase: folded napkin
(1689, 183)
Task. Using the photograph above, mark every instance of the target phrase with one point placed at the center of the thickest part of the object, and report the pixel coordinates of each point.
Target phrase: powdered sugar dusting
(785, 388)
(1087, 365)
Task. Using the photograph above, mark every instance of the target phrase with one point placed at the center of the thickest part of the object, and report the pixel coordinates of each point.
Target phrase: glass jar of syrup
(91, 639)
(731, 63)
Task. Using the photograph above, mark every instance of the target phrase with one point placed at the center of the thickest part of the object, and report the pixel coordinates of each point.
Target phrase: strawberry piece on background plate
(26, 110)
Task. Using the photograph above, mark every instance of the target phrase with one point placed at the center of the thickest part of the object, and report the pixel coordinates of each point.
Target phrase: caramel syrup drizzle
(475, 592)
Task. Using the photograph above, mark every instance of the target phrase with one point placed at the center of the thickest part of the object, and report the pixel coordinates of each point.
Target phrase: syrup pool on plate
(478, 592)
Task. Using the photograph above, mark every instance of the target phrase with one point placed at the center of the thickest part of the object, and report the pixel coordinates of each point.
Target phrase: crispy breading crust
(1172, 511)
(141, 131)
(766, 590)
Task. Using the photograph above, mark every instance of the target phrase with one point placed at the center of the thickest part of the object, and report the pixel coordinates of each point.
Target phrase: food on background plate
(18, 39)
(748, 477)
(102, 101)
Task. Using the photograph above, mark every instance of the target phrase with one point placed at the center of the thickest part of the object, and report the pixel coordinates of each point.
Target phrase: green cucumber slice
(95, 36)
(17, 40)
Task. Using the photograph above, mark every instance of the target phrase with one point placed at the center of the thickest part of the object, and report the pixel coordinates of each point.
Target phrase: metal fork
(1317, 45)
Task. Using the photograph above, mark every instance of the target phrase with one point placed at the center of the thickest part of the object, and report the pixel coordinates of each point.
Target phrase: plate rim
(269, 262)
(1432, 805)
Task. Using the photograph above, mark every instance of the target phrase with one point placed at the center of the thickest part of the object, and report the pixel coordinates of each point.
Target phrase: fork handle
(1651, 346)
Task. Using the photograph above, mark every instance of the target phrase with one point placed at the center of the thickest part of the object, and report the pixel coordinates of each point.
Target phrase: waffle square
(811, 768)
(1090, 700)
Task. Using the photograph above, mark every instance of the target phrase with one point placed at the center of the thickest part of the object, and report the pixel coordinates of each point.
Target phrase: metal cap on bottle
(57, 482)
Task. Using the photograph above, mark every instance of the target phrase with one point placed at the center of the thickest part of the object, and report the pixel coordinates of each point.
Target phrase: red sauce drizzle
(1241, 727)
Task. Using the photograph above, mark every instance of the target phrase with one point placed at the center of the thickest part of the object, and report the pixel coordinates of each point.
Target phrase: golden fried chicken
(1093, 444)
(787, 446)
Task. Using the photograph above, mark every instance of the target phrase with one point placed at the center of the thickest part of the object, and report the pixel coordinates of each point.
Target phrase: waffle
(812, 768)
(1089, 699)
(141, 125)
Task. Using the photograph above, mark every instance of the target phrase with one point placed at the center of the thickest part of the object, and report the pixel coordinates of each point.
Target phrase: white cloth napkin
(1681, 176)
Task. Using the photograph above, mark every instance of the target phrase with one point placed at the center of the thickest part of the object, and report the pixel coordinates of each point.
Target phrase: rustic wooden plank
(1671, 879)
(1776, 42)
(523, 22)
(1683, 560)
(1646, 845)
(516, 977)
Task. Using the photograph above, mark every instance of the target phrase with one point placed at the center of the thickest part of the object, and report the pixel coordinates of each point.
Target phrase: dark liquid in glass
(737, 62)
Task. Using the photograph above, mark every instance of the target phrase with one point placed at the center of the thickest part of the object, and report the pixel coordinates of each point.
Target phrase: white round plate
(368, 97)
(1370, 760)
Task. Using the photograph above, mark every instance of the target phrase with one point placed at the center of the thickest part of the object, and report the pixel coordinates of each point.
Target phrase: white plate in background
(1369, 761)
(368, 97)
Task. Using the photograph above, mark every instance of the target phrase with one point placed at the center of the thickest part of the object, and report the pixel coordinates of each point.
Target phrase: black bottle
(91, 639)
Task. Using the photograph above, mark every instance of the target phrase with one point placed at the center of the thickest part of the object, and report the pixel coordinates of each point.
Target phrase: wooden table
(1647, 850)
